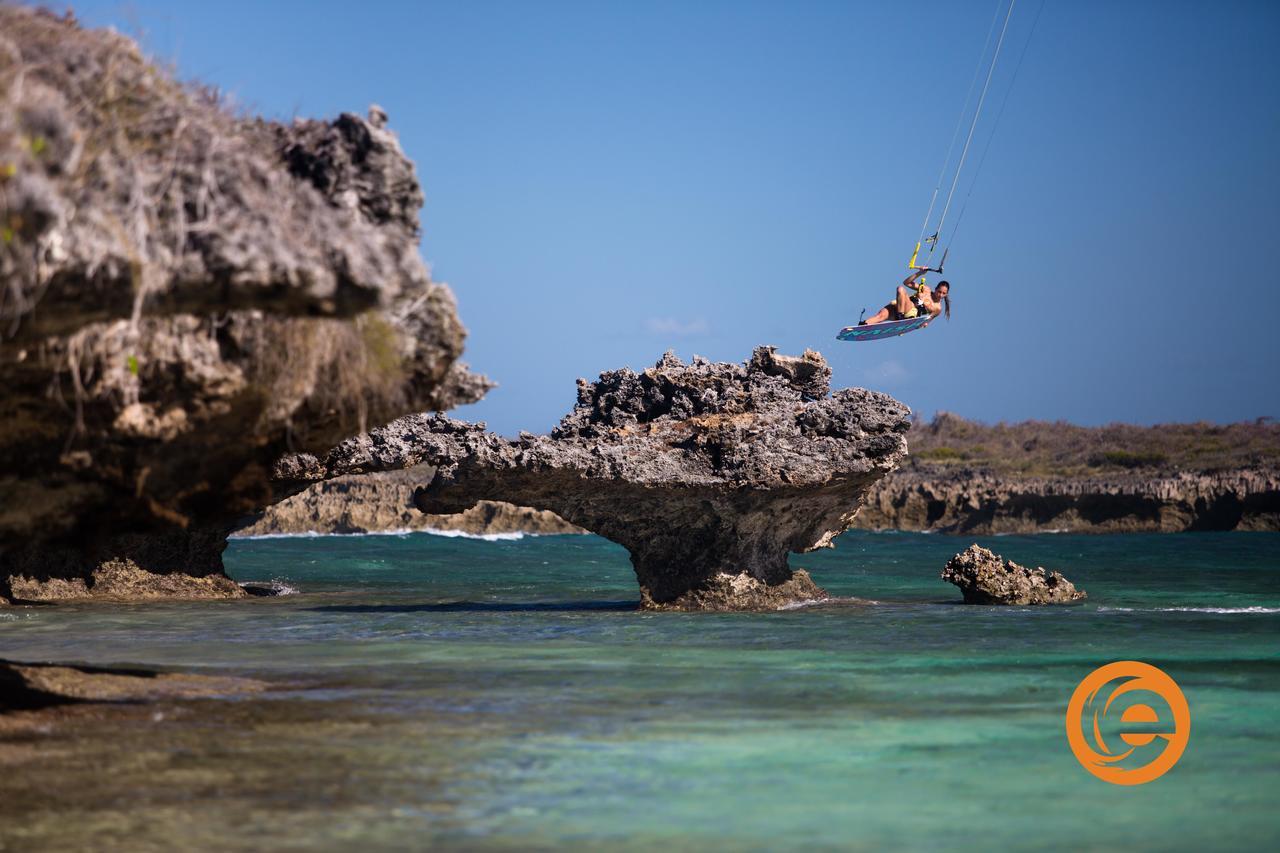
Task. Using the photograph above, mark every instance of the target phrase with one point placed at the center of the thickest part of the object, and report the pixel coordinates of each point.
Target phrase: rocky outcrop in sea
(987, 578)
(187, 294)
(709, 474)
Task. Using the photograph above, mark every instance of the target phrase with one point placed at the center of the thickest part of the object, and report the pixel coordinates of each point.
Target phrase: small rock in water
(987, 578)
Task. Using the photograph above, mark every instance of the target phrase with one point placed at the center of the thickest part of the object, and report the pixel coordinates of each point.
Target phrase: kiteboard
(887, 329)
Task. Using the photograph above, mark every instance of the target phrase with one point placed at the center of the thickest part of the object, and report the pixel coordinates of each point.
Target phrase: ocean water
(435, 691)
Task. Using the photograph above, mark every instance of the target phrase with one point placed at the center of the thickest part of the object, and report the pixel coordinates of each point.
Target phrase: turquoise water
(507, 694)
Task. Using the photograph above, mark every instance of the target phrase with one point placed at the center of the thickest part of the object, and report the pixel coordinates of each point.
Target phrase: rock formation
(707, 473)
(987, 578)
(380, 502)
(186, 294)
(976, 501)
(36, 686)
(966, 476)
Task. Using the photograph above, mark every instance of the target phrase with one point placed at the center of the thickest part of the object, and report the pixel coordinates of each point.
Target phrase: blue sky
(607, 180)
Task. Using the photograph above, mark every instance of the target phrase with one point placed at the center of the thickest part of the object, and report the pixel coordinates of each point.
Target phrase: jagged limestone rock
(708, 473)
(125, 188)
(975, 501)
(185, 294)
(987, 578)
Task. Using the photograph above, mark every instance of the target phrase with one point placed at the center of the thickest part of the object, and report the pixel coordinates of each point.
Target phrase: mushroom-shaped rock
(707, 473)
(987, 578)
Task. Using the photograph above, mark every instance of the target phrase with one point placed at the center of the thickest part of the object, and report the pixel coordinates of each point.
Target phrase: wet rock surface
(187, 293)
(123, 580)
(985, 577)
(36, 686)
(708, 473)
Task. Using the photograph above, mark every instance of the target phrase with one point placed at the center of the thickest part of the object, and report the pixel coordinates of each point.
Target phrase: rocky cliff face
(186, 294)
(384, 501)
(982, 502)
(709, 474)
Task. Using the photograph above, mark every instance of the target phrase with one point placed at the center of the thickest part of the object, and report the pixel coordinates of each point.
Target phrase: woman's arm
(910, 281)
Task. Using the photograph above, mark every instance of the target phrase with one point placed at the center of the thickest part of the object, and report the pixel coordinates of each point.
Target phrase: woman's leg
(903, 301)
(880, 316)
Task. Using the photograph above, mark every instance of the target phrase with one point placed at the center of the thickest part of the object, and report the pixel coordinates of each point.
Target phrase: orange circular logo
(1153, 722)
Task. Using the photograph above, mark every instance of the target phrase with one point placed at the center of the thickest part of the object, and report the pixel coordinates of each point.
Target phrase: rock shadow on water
(484, 607)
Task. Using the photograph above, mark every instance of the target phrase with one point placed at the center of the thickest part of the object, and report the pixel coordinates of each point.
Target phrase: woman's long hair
(946, 298)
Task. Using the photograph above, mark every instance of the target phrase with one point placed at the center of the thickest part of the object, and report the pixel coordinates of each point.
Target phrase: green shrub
(1128, 459)
(940, 454)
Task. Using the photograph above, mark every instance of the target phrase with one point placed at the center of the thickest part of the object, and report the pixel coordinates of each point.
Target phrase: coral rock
(185, 294)
(987, 578)
(709, 474)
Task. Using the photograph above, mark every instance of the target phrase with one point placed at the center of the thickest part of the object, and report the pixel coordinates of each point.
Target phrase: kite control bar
(916, 254)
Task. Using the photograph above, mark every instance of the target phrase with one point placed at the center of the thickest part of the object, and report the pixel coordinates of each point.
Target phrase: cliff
(977, 501)
(709, 474)
(968, 477)
(187, 294)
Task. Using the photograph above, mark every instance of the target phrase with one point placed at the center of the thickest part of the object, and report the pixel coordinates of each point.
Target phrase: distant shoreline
(967, 477)
(956, 502)
(982, 502)
(961, 477)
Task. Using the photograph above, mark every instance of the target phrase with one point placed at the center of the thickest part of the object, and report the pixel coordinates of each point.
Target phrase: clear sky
(607, 180)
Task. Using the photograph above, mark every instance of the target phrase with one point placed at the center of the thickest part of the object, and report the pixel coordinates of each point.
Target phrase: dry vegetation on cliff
(1060, 449)
(967, 477)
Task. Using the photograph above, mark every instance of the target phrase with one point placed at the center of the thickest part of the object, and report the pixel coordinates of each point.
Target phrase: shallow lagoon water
(507, 694)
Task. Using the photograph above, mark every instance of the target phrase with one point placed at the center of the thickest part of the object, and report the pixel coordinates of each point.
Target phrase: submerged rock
(987, 578)
(707, 473)
(34, 686)
(185, 294)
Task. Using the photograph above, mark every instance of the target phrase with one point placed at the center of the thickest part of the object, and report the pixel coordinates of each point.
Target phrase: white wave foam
(830, 599)
(398, 531)
(306, 534)
(808, 602)
(487, 537)
(277, 586)
(1192, 609)
(1037, 532)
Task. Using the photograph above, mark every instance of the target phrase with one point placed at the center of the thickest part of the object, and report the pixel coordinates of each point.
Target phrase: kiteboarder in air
(915, 305)
(908, 305)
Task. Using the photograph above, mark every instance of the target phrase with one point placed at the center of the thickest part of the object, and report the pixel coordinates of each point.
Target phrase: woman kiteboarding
(922, 302)
(915, 304)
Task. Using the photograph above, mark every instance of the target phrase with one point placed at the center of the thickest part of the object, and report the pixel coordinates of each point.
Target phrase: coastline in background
(962, 477)
(383, 503)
